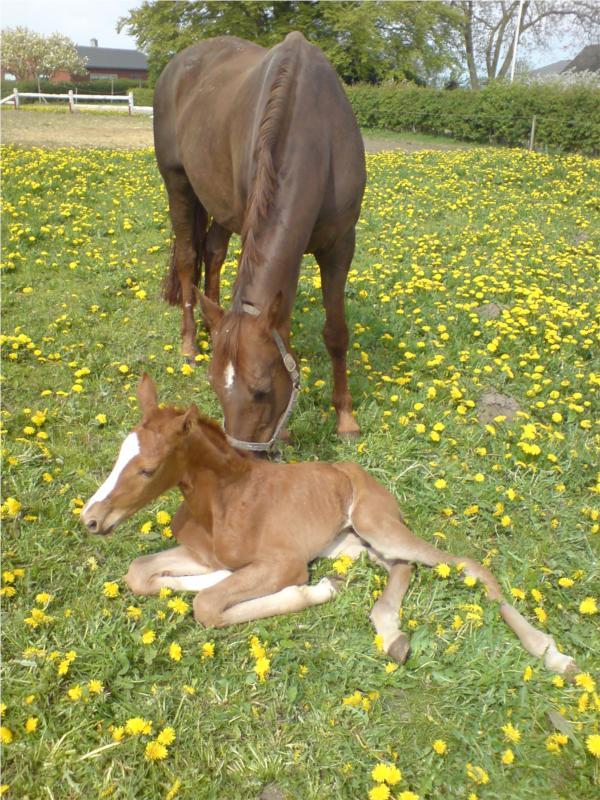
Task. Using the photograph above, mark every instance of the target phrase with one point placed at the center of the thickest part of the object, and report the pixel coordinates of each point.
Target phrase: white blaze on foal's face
(229, 375)
(129, 449)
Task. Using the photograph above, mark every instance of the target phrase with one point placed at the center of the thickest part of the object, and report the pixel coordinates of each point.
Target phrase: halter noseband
(290, 365)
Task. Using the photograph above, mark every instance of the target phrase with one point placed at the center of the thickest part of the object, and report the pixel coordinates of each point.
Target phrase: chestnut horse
(247, 528)
(262, 143)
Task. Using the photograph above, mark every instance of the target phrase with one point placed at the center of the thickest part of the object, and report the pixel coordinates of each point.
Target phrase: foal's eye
(147, 473)
(259, 394)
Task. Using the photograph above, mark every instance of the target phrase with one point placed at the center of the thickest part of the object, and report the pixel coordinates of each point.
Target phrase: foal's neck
(207, 451)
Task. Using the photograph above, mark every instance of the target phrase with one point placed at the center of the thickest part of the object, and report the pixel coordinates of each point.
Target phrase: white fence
(118, 102)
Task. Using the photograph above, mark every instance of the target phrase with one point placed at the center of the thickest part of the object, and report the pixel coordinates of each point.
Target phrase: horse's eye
(147, 473)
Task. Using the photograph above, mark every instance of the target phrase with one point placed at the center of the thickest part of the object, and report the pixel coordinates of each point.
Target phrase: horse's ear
(272, 315)
(146, 394)
(211, 312)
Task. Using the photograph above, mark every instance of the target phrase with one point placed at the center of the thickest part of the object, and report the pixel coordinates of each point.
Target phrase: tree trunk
(468, 34)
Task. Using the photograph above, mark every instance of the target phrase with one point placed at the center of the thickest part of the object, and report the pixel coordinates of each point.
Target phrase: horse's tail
(265, 177)
(171, 289)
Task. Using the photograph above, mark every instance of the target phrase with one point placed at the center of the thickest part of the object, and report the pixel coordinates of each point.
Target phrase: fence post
(71, 100)
(16, 99)
(532, 134)
(130, 103)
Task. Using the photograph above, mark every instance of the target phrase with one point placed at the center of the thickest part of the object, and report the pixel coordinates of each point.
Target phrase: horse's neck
(272, 264)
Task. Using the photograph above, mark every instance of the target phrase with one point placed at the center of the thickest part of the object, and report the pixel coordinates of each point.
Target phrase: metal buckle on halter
(290, 364)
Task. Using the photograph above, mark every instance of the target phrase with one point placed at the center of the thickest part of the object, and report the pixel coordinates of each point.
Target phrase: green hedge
(568, 118)
(143, 97)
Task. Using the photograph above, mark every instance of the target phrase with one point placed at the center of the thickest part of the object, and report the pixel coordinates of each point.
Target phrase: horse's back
(209, 105)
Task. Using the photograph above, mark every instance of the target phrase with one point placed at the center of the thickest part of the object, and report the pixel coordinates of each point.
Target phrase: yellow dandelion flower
(163, 517)
(95, 686)
(118, 733)
(511, 734)
(592, 743)
(175, 651)
(178, 605)
(508, 757)
(443, 570)
(208, 650)
(31, 725)
(6, 735)
(155, 751)
(588, 606)
(111, 589)
(262, 668)
(379, 792)
(440, 747)
(148, 636)
(167, 736)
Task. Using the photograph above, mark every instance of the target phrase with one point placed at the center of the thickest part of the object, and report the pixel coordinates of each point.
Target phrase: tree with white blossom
(29, 55)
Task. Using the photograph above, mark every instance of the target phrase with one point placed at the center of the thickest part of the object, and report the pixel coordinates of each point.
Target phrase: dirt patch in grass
(59, 128)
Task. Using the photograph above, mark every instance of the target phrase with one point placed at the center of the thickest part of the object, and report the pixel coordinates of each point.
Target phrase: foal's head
(247, 372)
(149, 463)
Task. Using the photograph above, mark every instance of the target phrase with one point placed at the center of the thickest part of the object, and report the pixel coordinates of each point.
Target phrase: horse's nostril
(92, 525)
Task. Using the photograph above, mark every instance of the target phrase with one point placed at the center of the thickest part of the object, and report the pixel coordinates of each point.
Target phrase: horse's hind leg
(215, 252)
(334, 264)
(189, 220)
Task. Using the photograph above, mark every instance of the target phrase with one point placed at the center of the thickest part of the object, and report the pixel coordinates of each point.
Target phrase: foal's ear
(146, 394)
(211, 312)
(272, 315)
(190, 418)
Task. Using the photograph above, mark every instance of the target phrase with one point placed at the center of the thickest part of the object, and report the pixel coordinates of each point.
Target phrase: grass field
(475, 270)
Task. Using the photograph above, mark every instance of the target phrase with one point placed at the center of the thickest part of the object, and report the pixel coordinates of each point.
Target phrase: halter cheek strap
(292, 369)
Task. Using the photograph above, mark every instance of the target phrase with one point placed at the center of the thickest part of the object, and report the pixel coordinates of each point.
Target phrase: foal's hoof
(400, 649)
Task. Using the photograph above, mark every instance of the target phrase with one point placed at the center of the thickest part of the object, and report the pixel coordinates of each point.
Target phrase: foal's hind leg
(334, 264)
(376, 519)
(215, 252)
(384, 614)
(189, 220)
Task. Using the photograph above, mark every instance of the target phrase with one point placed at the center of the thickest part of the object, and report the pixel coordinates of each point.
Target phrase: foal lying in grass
(247, 529)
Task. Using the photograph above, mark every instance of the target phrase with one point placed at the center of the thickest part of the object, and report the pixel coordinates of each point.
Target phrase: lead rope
(290, 364)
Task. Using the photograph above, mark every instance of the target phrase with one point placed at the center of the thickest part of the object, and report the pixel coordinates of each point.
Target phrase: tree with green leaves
(489, 29)
(29, 55)
(365, 41)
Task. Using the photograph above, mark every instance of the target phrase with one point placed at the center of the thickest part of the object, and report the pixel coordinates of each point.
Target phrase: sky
(80, 20)
(83, 20)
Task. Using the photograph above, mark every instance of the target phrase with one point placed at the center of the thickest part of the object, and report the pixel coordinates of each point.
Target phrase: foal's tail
(171, 289)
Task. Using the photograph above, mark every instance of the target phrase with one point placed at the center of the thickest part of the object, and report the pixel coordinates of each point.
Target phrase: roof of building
(112, 58)
(588, 59)
(551, 69)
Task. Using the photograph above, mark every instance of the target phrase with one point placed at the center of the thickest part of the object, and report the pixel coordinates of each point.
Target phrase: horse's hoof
(399, 649)
(349, 436)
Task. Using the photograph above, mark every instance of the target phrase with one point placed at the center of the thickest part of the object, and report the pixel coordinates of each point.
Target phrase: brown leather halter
(290, 364)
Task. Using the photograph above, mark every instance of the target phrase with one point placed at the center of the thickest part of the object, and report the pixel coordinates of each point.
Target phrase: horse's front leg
(178, 569)
(334, 264)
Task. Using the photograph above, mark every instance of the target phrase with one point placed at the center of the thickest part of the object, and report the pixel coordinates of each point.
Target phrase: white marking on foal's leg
(129, 449)
(536, 642)
(193, 583)
(229, 375)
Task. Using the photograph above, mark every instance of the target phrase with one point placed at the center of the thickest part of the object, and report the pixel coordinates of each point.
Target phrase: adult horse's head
(149, 463)
(252, 372)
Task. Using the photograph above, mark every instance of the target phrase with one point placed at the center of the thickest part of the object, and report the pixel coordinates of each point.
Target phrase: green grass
(441, 235)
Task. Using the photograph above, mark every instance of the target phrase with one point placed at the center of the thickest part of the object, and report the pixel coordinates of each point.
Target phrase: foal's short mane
(265, 177)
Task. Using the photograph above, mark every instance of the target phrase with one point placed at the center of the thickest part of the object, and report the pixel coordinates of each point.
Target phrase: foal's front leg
(258, 587)
(177, 568)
